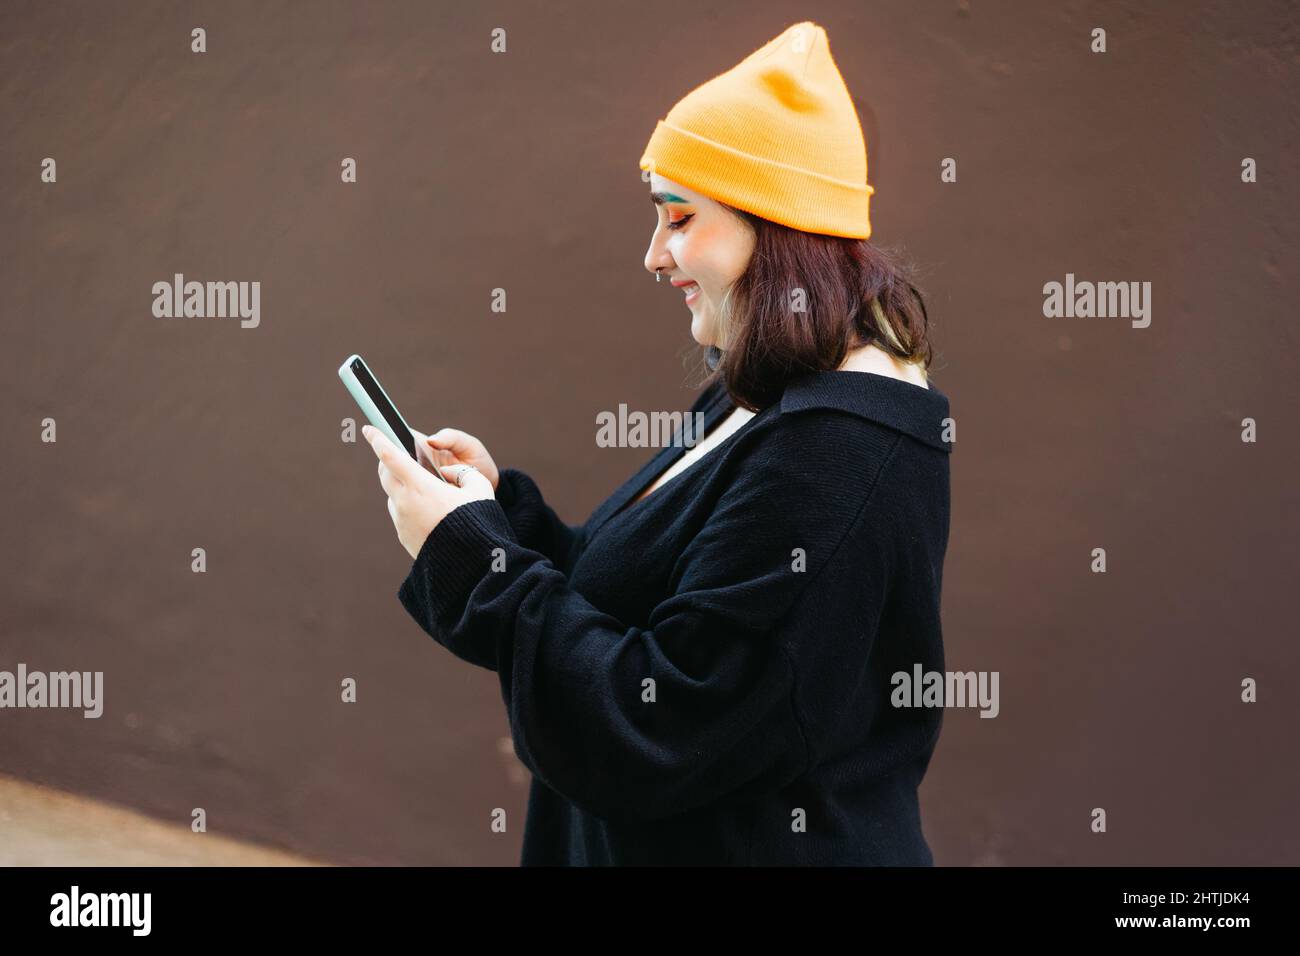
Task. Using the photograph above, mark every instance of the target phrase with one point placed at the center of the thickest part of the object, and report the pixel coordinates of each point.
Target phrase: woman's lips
(692, 291)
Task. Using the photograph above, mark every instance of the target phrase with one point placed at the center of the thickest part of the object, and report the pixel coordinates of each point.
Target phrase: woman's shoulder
(867, 403)
(812, 463)
(826, 416)
(835, 429)
(872, 399)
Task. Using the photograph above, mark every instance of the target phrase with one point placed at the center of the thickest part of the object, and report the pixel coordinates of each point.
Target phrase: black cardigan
(703, 676)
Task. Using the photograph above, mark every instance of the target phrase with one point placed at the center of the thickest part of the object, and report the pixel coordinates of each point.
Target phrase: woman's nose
(655, 264)
(657, 258)
(656, 254)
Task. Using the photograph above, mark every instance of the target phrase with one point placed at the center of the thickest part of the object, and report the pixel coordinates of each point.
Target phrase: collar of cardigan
(911, 409)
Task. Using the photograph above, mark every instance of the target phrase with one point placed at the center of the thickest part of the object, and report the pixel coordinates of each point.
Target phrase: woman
(702, 673)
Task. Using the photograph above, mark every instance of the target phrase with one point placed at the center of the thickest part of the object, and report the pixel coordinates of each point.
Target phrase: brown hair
(804, 301)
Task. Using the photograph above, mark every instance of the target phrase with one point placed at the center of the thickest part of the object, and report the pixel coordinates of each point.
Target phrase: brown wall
(1118, 690)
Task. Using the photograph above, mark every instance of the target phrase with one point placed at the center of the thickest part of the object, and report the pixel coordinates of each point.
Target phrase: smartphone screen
(385, 407)
(383, 414)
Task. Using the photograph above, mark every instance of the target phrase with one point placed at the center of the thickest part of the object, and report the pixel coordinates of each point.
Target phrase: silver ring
(460, 475)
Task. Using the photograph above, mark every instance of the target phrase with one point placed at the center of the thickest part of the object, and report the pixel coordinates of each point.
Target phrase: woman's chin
(700, 331)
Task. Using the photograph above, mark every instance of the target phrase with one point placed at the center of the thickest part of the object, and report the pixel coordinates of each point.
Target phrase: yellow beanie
(776, 136)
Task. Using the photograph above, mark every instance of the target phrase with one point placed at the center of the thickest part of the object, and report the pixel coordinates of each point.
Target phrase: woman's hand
(417, 501)
(450, 447)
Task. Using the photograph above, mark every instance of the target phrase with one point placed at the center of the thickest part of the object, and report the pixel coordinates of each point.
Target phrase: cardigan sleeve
(642, 723)
(534, 522)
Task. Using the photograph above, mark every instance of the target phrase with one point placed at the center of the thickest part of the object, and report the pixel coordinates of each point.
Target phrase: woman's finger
(470, 479)
(441, 455)
(477, 482)
(398, 461)
(384, 469)
(392, 485)
(444, 459)
(454, 440)
(422, 439)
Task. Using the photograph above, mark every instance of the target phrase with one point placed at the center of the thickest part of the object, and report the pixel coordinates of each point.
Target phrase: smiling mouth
(691, 290)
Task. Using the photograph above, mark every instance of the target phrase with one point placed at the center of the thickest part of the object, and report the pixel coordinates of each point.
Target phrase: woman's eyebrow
(660, 198)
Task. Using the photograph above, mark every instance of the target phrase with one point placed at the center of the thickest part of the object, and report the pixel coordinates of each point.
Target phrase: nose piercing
(658, 276)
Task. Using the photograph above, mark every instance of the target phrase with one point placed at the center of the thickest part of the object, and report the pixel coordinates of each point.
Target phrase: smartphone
(382, 413)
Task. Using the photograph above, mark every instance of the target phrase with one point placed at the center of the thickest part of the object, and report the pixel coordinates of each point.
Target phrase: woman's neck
(871, 358)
